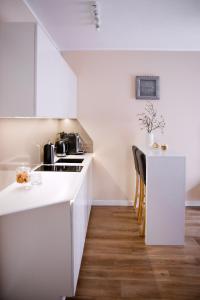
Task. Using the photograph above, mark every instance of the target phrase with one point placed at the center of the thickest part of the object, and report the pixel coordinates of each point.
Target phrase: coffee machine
(73, 144)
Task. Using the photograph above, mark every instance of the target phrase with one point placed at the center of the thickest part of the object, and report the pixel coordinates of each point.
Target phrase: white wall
(18, 144)
(108, 111)
(15, 11)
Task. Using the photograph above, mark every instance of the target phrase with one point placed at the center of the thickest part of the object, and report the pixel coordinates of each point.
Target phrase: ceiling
(125, 24)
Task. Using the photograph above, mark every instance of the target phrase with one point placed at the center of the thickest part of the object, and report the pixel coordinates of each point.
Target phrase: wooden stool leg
(141, 200)
(142, 232)
(136, 191)
(139, 205)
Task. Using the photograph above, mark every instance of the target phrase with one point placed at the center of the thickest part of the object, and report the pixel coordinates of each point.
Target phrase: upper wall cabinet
(35, 80)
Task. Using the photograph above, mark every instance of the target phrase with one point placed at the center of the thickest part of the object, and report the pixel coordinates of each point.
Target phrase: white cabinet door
(80, 217)
(56, 95)
(68, 89)
(17, 69)
(56, 83)
(47, 103)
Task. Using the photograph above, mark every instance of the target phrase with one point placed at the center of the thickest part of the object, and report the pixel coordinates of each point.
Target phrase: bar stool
(141, 158)
(134, 149)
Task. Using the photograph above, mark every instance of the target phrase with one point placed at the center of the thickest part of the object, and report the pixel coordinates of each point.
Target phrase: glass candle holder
(23, 176)
(36, 178)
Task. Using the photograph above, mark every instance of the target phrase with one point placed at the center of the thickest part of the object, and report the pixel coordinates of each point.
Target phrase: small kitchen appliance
(61, 148)
(61, 145)
(49, 153)
(75, 144)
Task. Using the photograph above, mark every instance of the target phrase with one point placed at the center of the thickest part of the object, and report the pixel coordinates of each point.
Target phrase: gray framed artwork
(148, 87)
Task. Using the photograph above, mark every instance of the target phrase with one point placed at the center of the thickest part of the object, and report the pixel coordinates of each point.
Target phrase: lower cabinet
(41, 249)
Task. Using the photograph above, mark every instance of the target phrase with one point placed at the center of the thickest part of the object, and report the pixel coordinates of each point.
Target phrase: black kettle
(49, 153)
(60, 148)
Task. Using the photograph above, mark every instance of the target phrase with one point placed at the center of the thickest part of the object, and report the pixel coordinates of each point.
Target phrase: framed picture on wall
(148, 87)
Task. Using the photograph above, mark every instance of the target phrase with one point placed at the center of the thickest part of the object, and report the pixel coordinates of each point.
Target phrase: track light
(95, 13)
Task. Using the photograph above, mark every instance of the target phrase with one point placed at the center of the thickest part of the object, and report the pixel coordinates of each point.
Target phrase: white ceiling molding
(162, 25)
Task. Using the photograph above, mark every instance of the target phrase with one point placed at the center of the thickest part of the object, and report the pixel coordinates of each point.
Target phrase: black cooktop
(70, 160)
(57, 168)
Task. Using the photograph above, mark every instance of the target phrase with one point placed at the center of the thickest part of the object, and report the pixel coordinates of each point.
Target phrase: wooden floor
(117, 264)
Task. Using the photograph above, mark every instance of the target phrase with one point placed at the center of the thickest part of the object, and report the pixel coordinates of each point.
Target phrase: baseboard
(112, 203)
(192, 203)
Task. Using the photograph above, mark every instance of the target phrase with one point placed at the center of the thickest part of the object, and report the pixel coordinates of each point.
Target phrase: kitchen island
(165, 197)
(42, 234)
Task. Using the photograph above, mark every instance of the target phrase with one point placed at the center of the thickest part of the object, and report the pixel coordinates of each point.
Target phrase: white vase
(149, 139)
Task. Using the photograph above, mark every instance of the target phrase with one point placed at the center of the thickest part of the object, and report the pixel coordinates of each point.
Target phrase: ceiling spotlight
(95, 14)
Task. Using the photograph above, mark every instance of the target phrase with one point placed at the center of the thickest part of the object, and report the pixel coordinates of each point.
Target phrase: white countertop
(158, 152)
(56, 187)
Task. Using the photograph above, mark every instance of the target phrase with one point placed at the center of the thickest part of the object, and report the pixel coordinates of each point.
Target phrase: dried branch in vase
(149, 119)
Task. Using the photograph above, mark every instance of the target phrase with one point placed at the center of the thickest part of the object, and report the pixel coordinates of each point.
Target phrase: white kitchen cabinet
(41, 249)
(35, 80)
